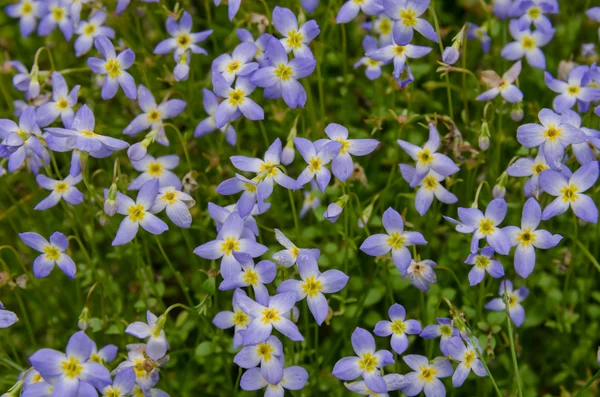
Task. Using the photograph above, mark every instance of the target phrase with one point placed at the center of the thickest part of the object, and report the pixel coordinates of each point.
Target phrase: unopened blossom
(273, 314)
(153, 115)
(426, 375)
(62, 103)
(235, 101)
(406, 15)
(268, 355)
(156, 168)
(255, 276)
(239, 63)
(316, 161)
(287, 257)
(472, 220)
(182, 39)
(27, 11)
(57, 14)
(483, 262)
(569, 192)
(113, 67)
(398, 328)
(280, 78)
(427, 157)
(53, 253)
(533, 11)
(372, 66)
(28, 81)
(208, 125)
(236, 319)
(122, 384)
(156, 345)
(528, 237)
(137, 213)
(342, 164)
(177, 205)
(295, 39)
(502, 85)
(294, 378)
(398, 54)
(480, 33)
(392, 382)
(527, 44)
(89, 30)
(515, 309)
(22, 140)
(395, 240)
(443, 330)
(309, 5)
(429, 188)
(7, 318)
(450, 55)
(60, 189)
(574, 90)
(73, 373)
(228, 240)
(233, 7)
(333, 212)
(351, 8)
(367, 362)
(421, 274)
(82, 136)
(313, 285)
(466, 355)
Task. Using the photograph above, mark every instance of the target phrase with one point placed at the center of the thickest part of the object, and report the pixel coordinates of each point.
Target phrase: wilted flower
(421, 274)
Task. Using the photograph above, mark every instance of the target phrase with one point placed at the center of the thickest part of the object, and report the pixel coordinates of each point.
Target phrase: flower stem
(513, 352)
(588, 384)
(439, 35)
(176, 273)
(293, 205)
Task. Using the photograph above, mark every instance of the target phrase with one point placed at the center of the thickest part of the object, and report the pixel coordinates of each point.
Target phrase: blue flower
(7, 318)
(526, 166)
(372, 66)
(267, 354)
(113, 67)
(316, 160)
(256, 276)
(311, 200)
(64, 189)
(53, 253)
(237, 64)
(309, 5)
(468, 360)
(367, 362)
(514, 298)
(236, 318)
(73, 372)
(57, 15)
(122, 384)
(295, 39)
(574, 90)
(235, 100)
(182, 39)
(398, 54)
(313, 285)
(27, 82)
(21, 141)
(480, 33)
(398, 328)
(146, 369)
(177, 205)
(156, 345)
(287, 257)
(208, 125)
(89, 30)
(443, 330)
(532, 11)
(392, 382)
(482, 263)
(405, 14)
(503, 85)
(261, 44)
(138, 213)
(233, 7)
(228, 241)
(27, 11)
(426, 375)
(294, 378)
(527, 44)
(429, 188)
(62, 103)
(281, 77)
(395, 240)
(421, 274)
(220, 214)
(254, 193)
(156, 168)
(351, 8)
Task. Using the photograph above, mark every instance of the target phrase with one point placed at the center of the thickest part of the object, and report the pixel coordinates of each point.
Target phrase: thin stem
(513, 352)
(293, 205)
(183, 144)
(175, 272)
(439, 35)
(588, 384)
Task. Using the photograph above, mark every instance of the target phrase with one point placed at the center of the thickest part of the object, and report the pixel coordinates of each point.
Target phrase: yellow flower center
(71, 367)
(265, 351)
(155, 169)
(573, 90)
(408, 17)
(171, 197)
(95, 357)
(89, 29)
(430, 182)
(295, 250)
(315, 164)
(137, 212)
(240, 318)
(345, 144)
(61, 187)
(469, 358)
(154, 116)
(512, 300)
(87, 133)
(250, 187)
(528, 43)
(385, 26)
(526, 237)
(396, 240)
(233, 66)
(139, 368)
(62, 104)
(37, 378)
(270, 315)
(294, 39)
(569, 193)
(482, 262)
(427, 373)
(283, 72)
(311, 287)
(183, 40)
(52, 253)
(27, 8)
(113, 392)
(251, 277)
(486, 226)
(58, 13)
(229, 245)
(399, 50)
(372, 62)
(398, 327)
(113, 68)
(446, 331)
(359, 2)
(539, 167)
(22, 134)
(425, 156)
(368, 362)
(236, 97)
(534, 12)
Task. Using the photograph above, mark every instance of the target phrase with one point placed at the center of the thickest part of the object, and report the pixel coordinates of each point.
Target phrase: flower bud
(181, 72)
(84, 319)
(484, 136)
(366, 215)
(516, 114)
(498, 191)
(287, 154)
(137, 151)
(450, 55)
(334, 210)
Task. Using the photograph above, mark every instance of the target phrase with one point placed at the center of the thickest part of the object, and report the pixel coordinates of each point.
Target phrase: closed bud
(450, 55)
(366, 215)
(484, 136)
(333, 212)
(287, 154)
(84, 319)
(516, 114)
(498, 191)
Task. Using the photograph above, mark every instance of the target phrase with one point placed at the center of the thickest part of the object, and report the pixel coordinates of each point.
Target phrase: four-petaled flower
(287, 257)
(443, 330)
(429, 188)
(156, 345)
(113, 67)
(468, 360)
(53, 253)
(156, 168)
(482, 262)
(89, 30)
(316, 160)
(177, 205)
(405, 14)
(514, 299)
(182, 39)
(255, 276)
(237, 64)
(502, 85)
(236, 319)
(398, 328)
(527, 45)
(64, 189)
(295, 39)
(426, 375)
(62, 103)
(267, 354)
(573, 90)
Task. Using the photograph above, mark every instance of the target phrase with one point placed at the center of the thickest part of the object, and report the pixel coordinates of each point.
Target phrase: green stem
(513, 352)
(293, 205)
(177, 274)
(588, 384)
(439, 35)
